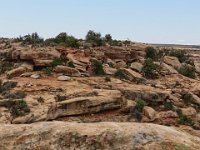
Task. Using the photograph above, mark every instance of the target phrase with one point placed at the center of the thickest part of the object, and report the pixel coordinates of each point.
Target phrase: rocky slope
(83, 87)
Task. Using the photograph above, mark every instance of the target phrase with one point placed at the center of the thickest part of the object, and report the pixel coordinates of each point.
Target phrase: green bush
(48, 70)
(108, 38)
(60, 98)
(20, 108)
(6, 86)
(149, 69)
(168, 106)
(63, 39)
(5, 66)
(120, 74)
(184, 120)
(33, 39)
(187, 70)
(187, 98)
(180, 54)
(94, 38)
(16, 95)
(137, 111)
(71, 64)
(151, 53)
(60, 61)
(97, 67)
(140, 105)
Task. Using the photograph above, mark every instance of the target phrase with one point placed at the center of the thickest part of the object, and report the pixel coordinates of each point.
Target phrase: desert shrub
(187, 70)
(16, 95)
(40, 99)
(180, 54)
(71, 64)
(187, 98)
(63, 39)
(19, 108)
(7, 86)
(33, 38)
(97, 67)
(168, 106)
(59, 61)
(137, 111)
(108, 38)
(149, 69)
(6, 66)
(184, 120)
(48, 70)
(94, 38)
(116, 43)
(140, 104)
(107, 79)
(120, 74)
(151, 53)
(60, 98)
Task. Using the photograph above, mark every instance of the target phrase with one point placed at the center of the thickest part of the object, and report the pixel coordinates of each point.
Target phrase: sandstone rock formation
(61, 135)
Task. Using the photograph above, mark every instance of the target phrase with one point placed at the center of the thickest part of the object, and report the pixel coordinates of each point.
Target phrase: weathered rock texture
(60, 135)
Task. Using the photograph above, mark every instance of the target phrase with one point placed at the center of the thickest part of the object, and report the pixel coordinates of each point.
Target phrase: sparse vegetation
(180, 54)
(168, 106)
(60, 61)
(151, 53)
(31, 39)
(184, 120)
(5, 66)
(187, 70)
(94, 39)
(16, 95)
(71, 64)
(149, 69)
(120, 74)
(6, 86)
(20, 108)
(63, 39)
(138, 109)
(187, 98)
(60, 98)
(40, 99)
(97, 67)
(140, 104)
(48, 70)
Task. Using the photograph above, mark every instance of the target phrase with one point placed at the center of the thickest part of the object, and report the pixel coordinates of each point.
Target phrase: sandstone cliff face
(104, 136)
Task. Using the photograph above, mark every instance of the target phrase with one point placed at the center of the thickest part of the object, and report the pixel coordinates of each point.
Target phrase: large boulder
(149, 112)
(98, 101)
(146, 93)
(172, 61)
(90, 136)
(120, 64)
(67, 71)
(108, 70)
(35, 54)
(131, 75)
(136, 66)
(19, 70)
(167, 69)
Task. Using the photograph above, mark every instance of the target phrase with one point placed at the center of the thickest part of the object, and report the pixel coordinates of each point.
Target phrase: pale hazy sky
(154, 21)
